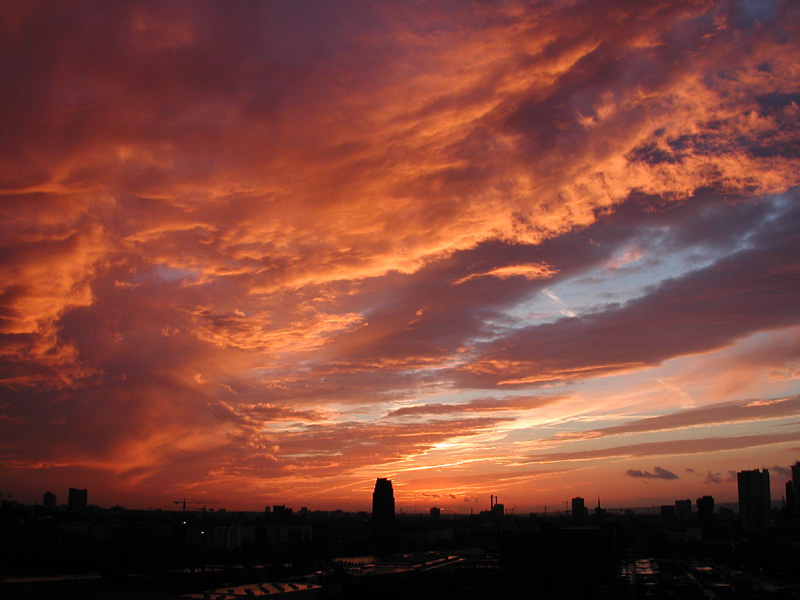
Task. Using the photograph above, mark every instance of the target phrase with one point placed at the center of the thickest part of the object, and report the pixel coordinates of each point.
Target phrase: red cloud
(228, 234)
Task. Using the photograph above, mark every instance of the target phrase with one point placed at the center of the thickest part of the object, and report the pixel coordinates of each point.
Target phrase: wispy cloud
(488, 405)
(668, 448)
(741, 411)
(529, 271)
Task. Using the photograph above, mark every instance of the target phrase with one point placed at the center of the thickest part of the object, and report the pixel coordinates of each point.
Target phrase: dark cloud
(658, 473)
(782, 471)
(270, 413)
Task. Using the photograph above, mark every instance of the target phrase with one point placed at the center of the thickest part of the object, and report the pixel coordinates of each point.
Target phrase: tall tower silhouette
(754, 499)
(579, 510)
(76, 501)
(383, 509)
(705, 514)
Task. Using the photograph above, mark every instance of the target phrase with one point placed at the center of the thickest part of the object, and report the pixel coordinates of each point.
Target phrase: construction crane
(183, 502)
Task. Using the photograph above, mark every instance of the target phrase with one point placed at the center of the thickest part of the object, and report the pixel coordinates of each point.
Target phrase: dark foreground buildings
(677, 552)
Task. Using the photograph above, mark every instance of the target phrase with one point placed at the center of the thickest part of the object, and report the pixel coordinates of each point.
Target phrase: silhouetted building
(578, 510)
(599, 513)
(231, 537)
(497, 510)
(754, 499)
(705, 512)
(796, 486)
(559, 563)
(49, 501)
(683, 508)
(790, 499)
(288, 534)
(281, 513)
(435, 513)
(77, 501)
(383, 509)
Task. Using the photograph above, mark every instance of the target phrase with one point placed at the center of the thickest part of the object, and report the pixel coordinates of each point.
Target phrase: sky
(261, 253)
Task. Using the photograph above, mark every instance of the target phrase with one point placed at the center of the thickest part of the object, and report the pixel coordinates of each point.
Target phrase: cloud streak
(667, 448)
(723, 413)
(487, 405)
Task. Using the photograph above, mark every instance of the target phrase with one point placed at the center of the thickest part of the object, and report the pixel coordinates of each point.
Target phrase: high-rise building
(705, 513)
(383, 508)
(683, 508)
(76, 501)
(754, 499)
(49, 501)
(578, 510)
(796, 486)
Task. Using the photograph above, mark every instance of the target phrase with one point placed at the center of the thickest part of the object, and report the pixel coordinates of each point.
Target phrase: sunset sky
(264, 252)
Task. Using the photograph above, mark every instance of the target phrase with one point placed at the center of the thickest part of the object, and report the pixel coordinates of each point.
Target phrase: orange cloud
(530, 271)
(261, 245)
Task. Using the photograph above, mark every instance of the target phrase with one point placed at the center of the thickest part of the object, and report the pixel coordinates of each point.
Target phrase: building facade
(77, 501)
(383, 508)
(754, 499)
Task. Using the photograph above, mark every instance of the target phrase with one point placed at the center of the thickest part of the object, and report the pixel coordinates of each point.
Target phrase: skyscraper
(754, 499)
(578, 510)
(705, 514)
(796, 486)
(383, 509)
(76, 501)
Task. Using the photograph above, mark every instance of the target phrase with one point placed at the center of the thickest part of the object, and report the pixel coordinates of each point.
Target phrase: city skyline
(383, 503)
(266, 253)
